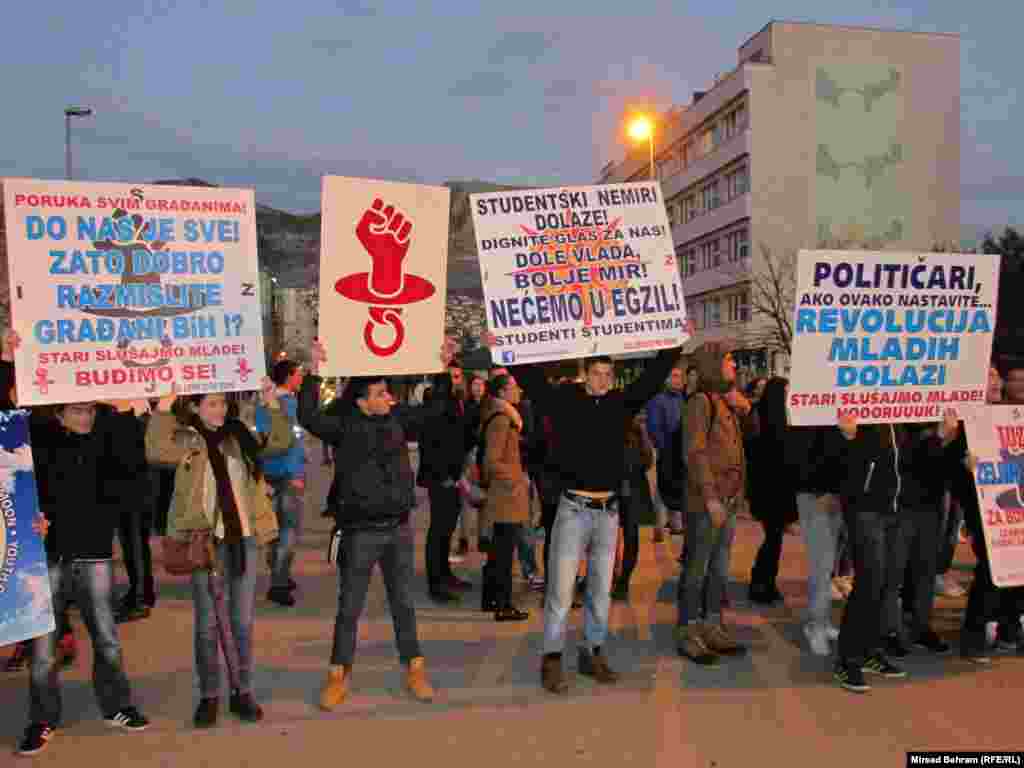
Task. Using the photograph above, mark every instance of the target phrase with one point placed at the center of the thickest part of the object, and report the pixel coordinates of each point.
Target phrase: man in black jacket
(81, 471)
(375, 499)
(591, 422)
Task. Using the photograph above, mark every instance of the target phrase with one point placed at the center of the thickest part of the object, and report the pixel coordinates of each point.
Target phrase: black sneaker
(850, 677)
(131, 611)
(128, 719)
(878, 664)
(37, 738)
(894, 647)
(931, 642)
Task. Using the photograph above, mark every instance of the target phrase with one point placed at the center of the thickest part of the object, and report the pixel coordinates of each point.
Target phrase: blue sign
(26, 610)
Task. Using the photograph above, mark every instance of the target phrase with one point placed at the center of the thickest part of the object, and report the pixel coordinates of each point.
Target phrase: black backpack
(481, 447)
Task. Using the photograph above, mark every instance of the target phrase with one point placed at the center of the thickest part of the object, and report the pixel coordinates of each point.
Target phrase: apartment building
(822, 136)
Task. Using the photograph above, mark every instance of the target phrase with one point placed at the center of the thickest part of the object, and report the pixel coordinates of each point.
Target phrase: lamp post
(70, 112)
(642, 128)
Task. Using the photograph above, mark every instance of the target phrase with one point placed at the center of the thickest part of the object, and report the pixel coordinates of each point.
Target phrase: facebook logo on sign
(508, 356)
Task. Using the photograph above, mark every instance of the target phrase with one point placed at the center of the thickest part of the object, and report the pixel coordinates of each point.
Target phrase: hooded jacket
(714, 435)
(872, 467)
(443, 438)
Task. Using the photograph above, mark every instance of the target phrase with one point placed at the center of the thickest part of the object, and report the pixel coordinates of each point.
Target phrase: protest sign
(120, 290)
(995, 435)
(578, 271)
(890, 337)
(26, 609)
(383, 261)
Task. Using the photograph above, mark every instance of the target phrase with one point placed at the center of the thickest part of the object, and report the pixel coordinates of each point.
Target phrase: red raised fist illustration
(386, 235)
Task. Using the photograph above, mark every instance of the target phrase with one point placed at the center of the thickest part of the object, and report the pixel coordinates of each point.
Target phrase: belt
(587, 501)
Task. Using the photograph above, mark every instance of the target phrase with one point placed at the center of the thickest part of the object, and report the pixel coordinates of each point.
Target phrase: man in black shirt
(591, 421)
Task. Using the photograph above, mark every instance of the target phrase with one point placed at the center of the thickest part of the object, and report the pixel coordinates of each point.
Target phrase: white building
(823, 136)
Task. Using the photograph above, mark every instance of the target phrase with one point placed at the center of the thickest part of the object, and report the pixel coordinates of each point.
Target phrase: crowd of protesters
(507, 460)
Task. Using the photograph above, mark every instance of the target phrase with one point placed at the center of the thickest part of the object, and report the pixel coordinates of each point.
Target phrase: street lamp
(641, 128)
(70, 112)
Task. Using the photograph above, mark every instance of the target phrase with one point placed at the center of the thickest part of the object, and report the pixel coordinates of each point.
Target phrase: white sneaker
(817, 637)
(832, 632)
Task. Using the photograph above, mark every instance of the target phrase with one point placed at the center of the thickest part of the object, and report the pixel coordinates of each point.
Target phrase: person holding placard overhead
(591, 421)
(217, 487)
(375, 499)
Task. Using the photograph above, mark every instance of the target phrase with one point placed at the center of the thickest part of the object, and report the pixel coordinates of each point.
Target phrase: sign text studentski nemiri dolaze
(577, 271)
(890, 337)
(123, 290)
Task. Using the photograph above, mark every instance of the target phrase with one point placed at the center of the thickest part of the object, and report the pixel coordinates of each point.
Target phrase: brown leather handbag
(183, 557)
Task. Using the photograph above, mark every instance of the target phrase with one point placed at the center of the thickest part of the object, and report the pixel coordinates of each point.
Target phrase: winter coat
(194, 504)
(508, 488)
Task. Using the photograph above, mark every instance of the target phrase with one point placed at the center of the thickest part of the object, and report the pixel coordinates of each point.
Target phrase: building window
(689, 262)
(716, 253)
(710, 196)
(712, 313)
(730, 125)
(690, 207)
(671, 210)
(737, 245)
(741, 117)
(739, 307)
(698, 314)
(737, 183)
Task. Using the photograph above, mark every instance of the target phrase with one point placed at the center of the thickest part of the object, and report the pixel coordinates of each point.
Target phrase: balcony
(725, 153)
(723, 216)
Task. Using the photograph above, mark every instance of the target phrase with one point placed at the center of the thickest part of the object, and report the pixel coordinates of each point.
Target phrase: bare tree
(773, 297)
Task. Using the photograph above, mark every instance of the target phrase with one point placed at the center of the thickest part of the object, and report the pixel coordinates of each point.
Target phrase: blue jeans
(288, 504)
(706, 570)
(820, 520)
(89, 583)
(240, 596)
(576, 528)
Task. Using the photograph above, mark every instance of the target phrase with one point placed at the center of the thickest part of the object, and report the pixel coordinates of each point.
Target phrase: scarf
(225, 493)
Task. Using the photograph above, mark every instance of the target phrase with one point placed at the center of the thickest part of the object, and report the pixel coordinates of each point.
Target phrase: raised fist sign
(386, 234)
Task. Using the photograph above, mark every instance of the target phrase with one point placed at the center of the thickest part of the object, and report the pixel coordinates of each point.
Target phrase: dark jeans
(766, 564)
(912, 543)
(861, 629)
(360, 551)
(444, 516)
(498, 571)
(288, 506)
(630, 540)
(89, 582)
(134, 531)
(706, 569)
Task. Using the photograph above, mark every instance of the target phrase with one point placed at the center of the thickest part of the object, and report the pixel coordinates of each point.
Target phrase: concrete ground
(775, 707)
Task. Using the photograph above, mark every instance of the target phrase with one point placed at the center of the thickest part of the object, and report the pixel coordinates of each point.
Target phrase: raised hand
(950, 426)
(11, 342)
(848, 426)
(386, 235)
(448, 350)
(41, 525)
(317, 356)
(268, 392)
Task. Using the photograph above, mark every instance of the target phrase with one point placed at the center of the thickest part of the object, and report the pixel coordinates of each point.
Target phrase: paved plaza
(776, 707)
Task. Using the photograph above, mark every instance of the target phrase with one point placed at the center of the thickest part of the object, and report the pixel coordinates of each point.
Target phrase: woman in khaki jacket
(217, 486)
(508, 492)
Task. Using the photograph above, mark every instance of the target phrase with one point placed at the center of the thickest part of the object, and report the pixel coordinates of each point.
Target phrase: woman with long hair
(216, 488)
(637, 501)
(772, 489)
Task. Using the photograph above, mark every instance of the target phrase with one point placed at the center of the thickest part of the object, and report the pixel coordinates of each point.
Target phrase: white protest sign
(890, 337)
(120, 290)
(383, 276)
(995, 435)
(576, 271)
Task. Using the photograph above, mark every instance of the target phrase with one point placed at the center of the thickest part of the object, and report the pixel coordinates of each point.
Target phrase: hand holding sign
(848, 426)
(11, 342)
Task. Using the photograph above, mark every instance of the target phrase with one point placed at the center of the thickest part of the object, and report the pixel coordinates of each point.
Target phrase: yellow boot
(416, 680)
(335, 689)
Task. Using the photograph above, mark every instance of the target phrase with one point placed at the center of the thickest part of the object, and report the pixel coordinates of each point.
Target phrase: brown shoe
(595, 665)
(551, 675)
(335, 689)
(690, 643)
(659, 535)
(416, 681)
(718, 639)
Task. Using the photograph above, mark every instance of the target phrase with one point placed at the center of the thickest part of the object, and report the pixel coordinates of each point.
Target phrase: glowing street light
(641, 128)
